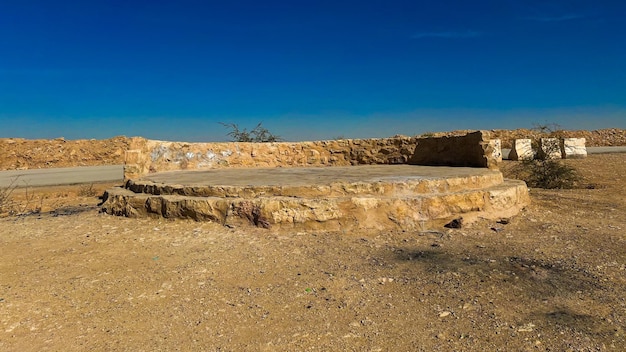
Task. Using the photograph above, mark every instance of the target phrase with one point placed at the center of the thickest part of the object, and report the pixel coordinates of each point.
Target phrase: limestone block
(573, 148)
(132, 156)
(473, 149)
(494, 147)
(549, 148)
(522, 150)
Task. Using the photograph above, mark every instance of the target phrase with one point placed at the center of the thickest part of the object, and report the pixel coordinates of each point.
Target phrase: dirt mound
(18, 153)
(597, 138)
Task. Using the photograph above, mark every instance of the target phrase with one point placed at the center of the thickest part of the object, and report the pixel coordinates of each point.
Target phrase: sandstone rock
(493, 153)
(521, 150)
(549, 148)
(473, 150)
(342, 205)
(573, 148)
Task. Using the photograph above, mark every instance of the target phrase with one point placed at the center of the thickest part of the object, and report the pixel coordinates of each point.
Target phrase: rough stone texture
(317, 182)
(573, 148)
(549, 148)
(473, 149)
(19, 153)
(522, 149)
(596, 138)
(495, 153)
(345, 212)
(365, 197)
(149, 156)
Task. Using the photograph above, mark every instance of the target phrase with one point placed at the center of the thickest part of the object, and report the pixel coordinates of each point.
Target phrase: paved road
(62, 176)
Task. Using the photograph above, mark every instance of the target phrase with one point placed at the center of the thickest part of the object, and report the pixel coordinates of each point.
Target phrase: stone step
(343, 208)
(312, 182)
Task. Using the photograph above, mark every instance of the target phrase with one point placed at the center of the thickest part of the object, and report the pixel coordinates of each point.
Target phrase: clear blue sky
(308, 69)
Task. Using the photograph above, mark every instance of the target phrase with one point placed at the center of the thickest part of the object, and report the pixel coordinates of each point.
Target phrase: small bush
(87, 191)
(259, 134)
(9, 206)
(6, 202)
(544, 172)
(548, 174)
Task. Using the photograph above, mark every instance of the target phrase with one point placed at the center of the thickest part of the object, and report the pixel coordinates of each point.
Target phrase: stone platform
(350, 197)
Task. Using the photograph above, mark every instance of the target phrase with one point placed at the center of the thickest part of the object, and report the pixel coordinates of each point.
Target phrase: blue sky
(308, 69)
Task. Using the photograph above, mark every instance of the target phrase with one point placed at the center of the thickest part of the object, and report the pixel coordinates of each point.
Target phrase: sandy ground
(552, 279)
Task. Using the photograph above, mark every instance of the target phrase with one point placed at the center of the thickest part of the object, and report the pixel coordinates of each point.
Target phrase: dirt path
(554, 278)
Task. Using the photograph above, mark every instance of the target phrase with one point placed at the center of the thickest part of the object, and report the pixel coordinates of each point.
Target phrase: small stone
(455, 224)
(444, 314)
(526, 328)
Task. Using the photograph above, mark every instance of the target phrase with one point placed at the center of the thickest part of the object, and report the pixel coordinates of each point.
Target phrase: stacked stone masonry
(400, 182)
(149, 156)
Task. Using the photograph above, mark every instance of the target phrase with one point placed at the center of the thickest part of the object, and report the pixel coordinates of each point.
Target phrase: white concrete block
(522, 149)
(573, 148)
(549, 148)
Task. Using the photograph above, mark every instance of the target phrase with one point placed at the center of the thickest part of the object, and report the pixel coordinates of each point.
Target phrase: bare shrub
(10, 206)
(259, 134)
(87, 190)
(6, 201)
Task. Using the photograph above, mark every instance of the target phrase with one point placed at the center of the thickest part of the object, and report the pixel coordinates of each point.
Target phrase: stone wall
(148, 156)
(473, 149)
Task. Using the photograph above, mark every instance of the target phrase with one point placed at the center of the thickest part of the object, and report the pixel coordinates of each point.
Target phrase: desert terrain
(19, 153)
(552, 278)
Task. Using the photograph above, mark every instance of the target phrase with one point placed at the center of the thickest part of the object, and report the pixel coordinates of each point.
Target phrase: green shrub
(549, 174)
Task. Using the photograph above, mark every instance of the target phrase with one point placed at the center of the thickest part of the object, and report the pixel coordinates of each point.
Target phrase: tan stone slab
(298, 176)
(372, 196)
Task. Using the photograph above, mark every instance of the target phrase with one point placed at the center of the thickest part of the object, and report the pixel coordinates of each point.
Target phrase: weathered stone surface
(364, 197)
(549, 148)
(362, 212)
(494, 153)
(150, 156)
(522, 149)
(573, 148)
(266, 185)
(473, 149)
(314, 182)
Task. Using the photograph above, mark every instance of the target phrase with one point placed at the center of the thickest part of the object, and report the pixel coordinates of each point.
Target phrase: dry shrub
(87, 191)
(259, 134)
(9, 206)
(548, 174)
(6, 201)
